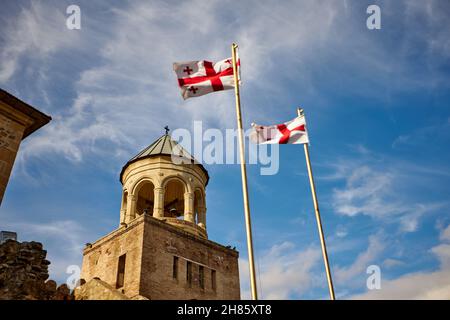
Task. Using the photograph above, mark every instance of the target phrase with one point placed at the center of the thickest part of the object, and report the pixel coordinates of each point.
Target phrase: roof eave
(159, 155)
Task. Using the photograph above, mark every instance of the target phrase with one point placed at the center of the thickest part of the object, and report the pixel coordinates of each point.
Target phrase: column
(123, 208)
(131, 208)
(189, 207)
(202, 217)
(123, 213)
(158, 207)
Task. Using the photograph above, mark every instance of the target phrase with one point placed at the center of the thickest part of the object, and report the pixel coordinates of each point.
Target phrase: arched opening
(199, 205)
(174, 199)
(145, 198)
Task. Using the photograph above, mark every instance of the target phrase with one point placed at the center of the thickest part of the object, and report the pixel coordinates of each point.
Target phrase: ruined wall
(24, 273)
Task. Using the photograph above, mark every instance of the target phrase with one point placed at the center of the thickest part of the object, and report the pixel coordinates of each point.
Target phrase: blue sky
(377, 105)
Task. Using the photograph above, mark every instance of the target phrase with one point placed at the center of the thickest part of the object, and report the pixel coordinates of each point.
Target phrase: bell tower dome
(166, 182)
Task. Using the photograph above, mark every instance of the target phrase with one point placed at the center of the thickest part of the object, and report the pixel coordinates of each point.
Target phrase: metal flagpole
(248, 224)
(319, 223)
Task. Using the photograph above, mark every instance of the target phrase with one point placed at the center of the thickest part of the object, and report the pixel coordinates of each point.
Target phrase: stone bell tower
(161, 248)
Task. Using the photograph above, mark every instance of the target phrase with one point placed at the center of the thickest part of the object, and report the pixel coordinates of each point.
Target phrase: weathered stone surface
(24, 271)
(150, 246)
(17, 120)
(96, 289)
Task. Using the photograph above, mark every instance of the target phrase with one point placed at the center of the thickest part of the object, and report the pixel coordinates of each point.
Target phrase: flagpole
(317, 212)
(248, 224)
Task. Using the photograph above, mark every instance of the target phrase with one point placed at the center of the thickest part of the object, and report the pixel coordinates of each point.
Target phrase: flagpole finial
(300, 112)
(167, 129)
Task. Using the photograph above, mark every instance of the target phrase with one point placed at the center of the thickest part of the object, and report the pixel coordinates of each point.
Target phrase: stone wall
(98, 290)
(11, 133)
(24, 273)
(17, 120)
(163, 242)
(100, 259)
(150, 247)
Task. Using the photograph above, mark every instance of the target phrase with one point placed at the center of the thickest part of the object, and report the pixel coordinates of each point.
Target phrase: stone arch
(166, 180)
(134, 188)
(144, 195)
(175, 190)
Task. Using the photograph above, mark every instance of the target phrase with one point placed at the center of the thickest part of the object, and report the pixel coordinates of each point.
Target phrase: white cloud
(445, 234)
(442, 251)
(424, 135)
(358, 268)
(363, 193)
(37, 32)
(282, 272)
(392, 263)
(341, 233)
(131, 92)
(380, 188)
(418, 285)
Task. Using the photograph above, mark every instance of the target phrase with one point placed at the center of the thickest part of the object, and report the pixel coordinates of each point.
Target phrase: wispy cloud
(283, 272)
(36, 33)
(380, 187)
(344, 275)
(130, 93)
(425, 135)
(445, 234)
(392, 263)
(418, 285)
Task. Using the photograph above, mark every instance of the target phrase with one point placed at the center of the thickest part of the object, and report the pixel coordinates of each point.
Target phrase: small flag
(291, 132)
(197, 78)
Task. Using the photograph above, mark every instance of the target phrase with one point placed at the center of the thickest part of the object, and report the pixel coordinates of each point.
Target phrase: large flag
(197, 78)
(293, 131)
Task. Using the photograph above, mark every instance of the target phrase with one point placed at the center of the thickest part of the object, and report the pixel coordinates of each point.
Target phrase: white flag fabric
(197, 78)
(291, 132)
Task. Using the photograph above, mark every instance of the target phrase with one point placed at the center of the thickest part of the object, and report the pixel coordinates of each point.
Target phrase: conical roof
(164, 146)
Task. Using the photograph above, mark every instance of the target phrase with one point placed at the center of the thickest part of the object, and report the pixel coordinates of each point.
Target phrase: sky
(376, 104)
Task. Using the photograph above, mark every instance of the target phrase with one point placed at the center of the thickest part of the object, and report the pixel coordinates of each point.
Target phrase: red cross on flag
(197, 78)
(291, 132)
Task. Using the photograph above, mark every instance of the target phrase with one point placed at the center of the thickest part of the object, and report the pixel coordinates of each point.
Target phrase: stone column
(189, 207)
(158, 206)
(131, 208)
(202, 217)
(123, 209)
(123, 213)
